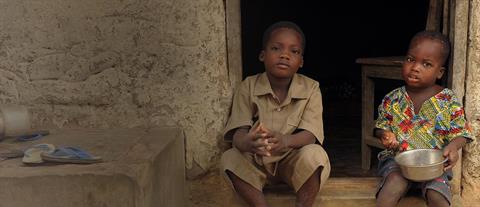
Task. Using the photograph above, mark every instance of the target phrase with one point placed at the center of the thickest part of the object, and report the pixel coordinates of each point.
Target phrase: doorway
(337, 33)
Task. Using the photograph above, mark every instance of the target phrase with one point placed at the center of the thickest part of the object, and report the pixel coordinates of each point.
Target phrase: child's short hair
(282, 24)
(433, 35)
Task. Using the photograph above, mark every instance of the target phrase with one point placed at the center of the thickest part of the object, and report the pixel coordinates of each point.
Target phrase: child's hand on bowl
(451, 153)
(389, 140)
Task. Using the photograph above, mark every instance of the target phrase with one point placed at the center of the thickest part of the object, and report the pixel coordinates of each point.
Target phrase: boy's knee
(229, 155)
(231, 175)
(230, 159)
(226, 156)
(311, 159)
(310, 150)
(314, 154)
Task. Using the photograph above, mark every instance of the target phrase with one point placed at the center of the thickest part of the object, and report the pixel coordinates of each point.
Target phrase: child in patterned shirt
(420, 114)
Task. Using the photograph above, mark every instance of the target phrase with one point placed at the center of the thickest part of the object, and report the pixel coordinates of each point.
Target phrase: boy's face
(283, 53)
(423, 63)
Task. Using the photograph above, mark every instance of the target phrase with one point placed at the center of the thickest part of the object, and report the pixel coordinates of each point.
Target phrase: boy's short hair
(282, 24)
(437, 36)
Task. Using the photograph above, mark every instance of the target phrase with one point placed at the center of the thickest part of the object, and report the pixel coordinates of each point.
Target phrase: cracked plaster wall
(120, 63)
(471, 161)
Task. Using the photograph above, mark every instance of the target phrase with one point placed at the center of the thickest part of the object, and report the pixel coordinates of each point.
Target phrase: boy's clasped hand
(265, 142)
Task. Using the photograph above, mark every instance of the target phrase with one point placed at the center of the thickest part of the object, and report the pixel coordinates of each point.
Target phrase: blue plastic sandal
(70, 155)
(32, 155)
(29, 137)
(34, 136)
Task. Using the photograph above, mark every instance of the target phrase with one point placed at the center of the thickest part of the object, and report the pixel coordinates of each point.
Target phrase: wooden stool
(380, 67)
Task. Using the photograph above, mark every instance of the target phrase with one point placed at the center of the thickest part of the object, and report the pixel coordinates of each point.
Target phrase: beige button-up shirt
(254, 101)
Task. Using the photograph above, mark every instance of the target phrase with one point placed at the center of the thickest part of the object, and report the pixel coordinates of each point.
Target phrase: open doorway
(337, 33)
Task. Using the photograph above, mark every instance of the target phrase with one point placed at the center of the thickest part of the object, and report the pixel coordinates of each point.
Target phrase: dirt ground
(209, 191)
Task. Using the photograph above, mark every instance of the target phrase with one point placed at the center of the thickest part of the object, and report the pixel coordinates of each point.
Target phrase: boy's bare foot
(307, 193)
(249, 194)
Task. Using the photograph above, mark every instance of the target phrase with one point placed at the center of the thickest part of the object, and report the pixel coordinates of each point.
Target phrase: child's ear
(261, 56)
(441, 72)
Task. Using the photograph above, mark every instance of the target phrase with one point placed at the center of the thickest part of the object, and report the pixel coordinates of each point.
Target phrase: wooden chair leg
(366, 156)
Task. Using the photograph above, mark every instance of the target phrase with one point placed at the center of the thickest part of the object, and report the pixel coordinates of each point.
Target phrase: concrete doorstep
(346, 192)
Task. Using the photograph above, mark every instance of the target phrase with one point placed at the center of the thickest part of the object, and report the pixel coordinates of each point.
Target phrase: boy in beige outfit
(276, 124)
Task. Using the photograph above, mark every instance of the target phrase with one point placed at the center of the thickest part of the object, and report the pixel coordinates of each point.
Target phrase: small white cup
(14, 121)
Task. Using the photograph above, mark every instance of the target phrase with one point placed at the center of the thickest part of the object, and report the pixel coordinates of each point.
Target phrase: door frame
(455, 24)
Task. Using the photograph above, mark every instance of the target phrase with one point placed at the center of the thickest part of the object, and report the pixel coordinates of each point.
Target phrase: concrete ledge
(338, 191)
(141, 168)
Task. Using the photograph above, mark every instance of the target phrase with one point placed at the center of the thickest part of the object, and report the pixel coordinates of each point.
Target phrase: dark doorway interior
(337, 32)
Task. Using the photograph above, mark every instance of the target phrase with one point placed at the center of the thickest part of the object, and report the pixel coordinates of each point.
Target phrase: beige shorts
(294, 169)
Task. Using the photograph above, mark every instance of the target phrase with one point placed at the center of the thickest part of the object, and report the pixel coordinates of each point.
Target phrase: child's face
(283, 53)
(423, 63)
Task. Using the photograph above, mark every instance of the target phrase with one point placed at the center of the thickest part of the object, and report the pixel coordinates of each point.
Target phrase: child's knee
(435, 197)
(397, 179)
(395, 184)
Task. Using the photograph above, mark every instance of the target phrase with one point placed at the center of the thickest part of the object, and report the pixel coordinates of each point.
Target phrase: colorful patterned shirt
(440, 119)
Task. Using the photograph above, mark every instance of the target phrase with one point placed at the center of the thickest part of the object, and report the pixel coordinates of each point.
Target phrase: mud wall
(120, 63)
(471, 161)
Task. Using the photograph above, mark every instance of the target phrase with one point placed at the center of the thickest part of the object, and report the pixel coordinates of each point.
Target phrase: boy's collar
(262, 87)
(297, 88)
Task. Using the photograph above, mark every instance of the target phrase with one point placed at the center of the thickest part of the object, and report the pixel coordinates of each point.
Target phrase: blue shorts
(387, 164)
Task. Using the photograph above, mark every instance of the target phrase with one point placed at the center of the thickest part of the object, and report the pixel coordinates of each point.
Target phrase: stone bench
(141, 168)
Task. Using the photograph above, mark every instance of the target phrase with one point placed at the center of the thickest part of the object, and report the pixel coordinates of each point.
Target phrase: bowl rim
(422, 166)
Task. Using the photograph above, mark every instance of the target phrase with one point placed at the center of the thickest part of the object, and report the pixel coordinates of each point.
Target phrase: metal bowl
(421, 164)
